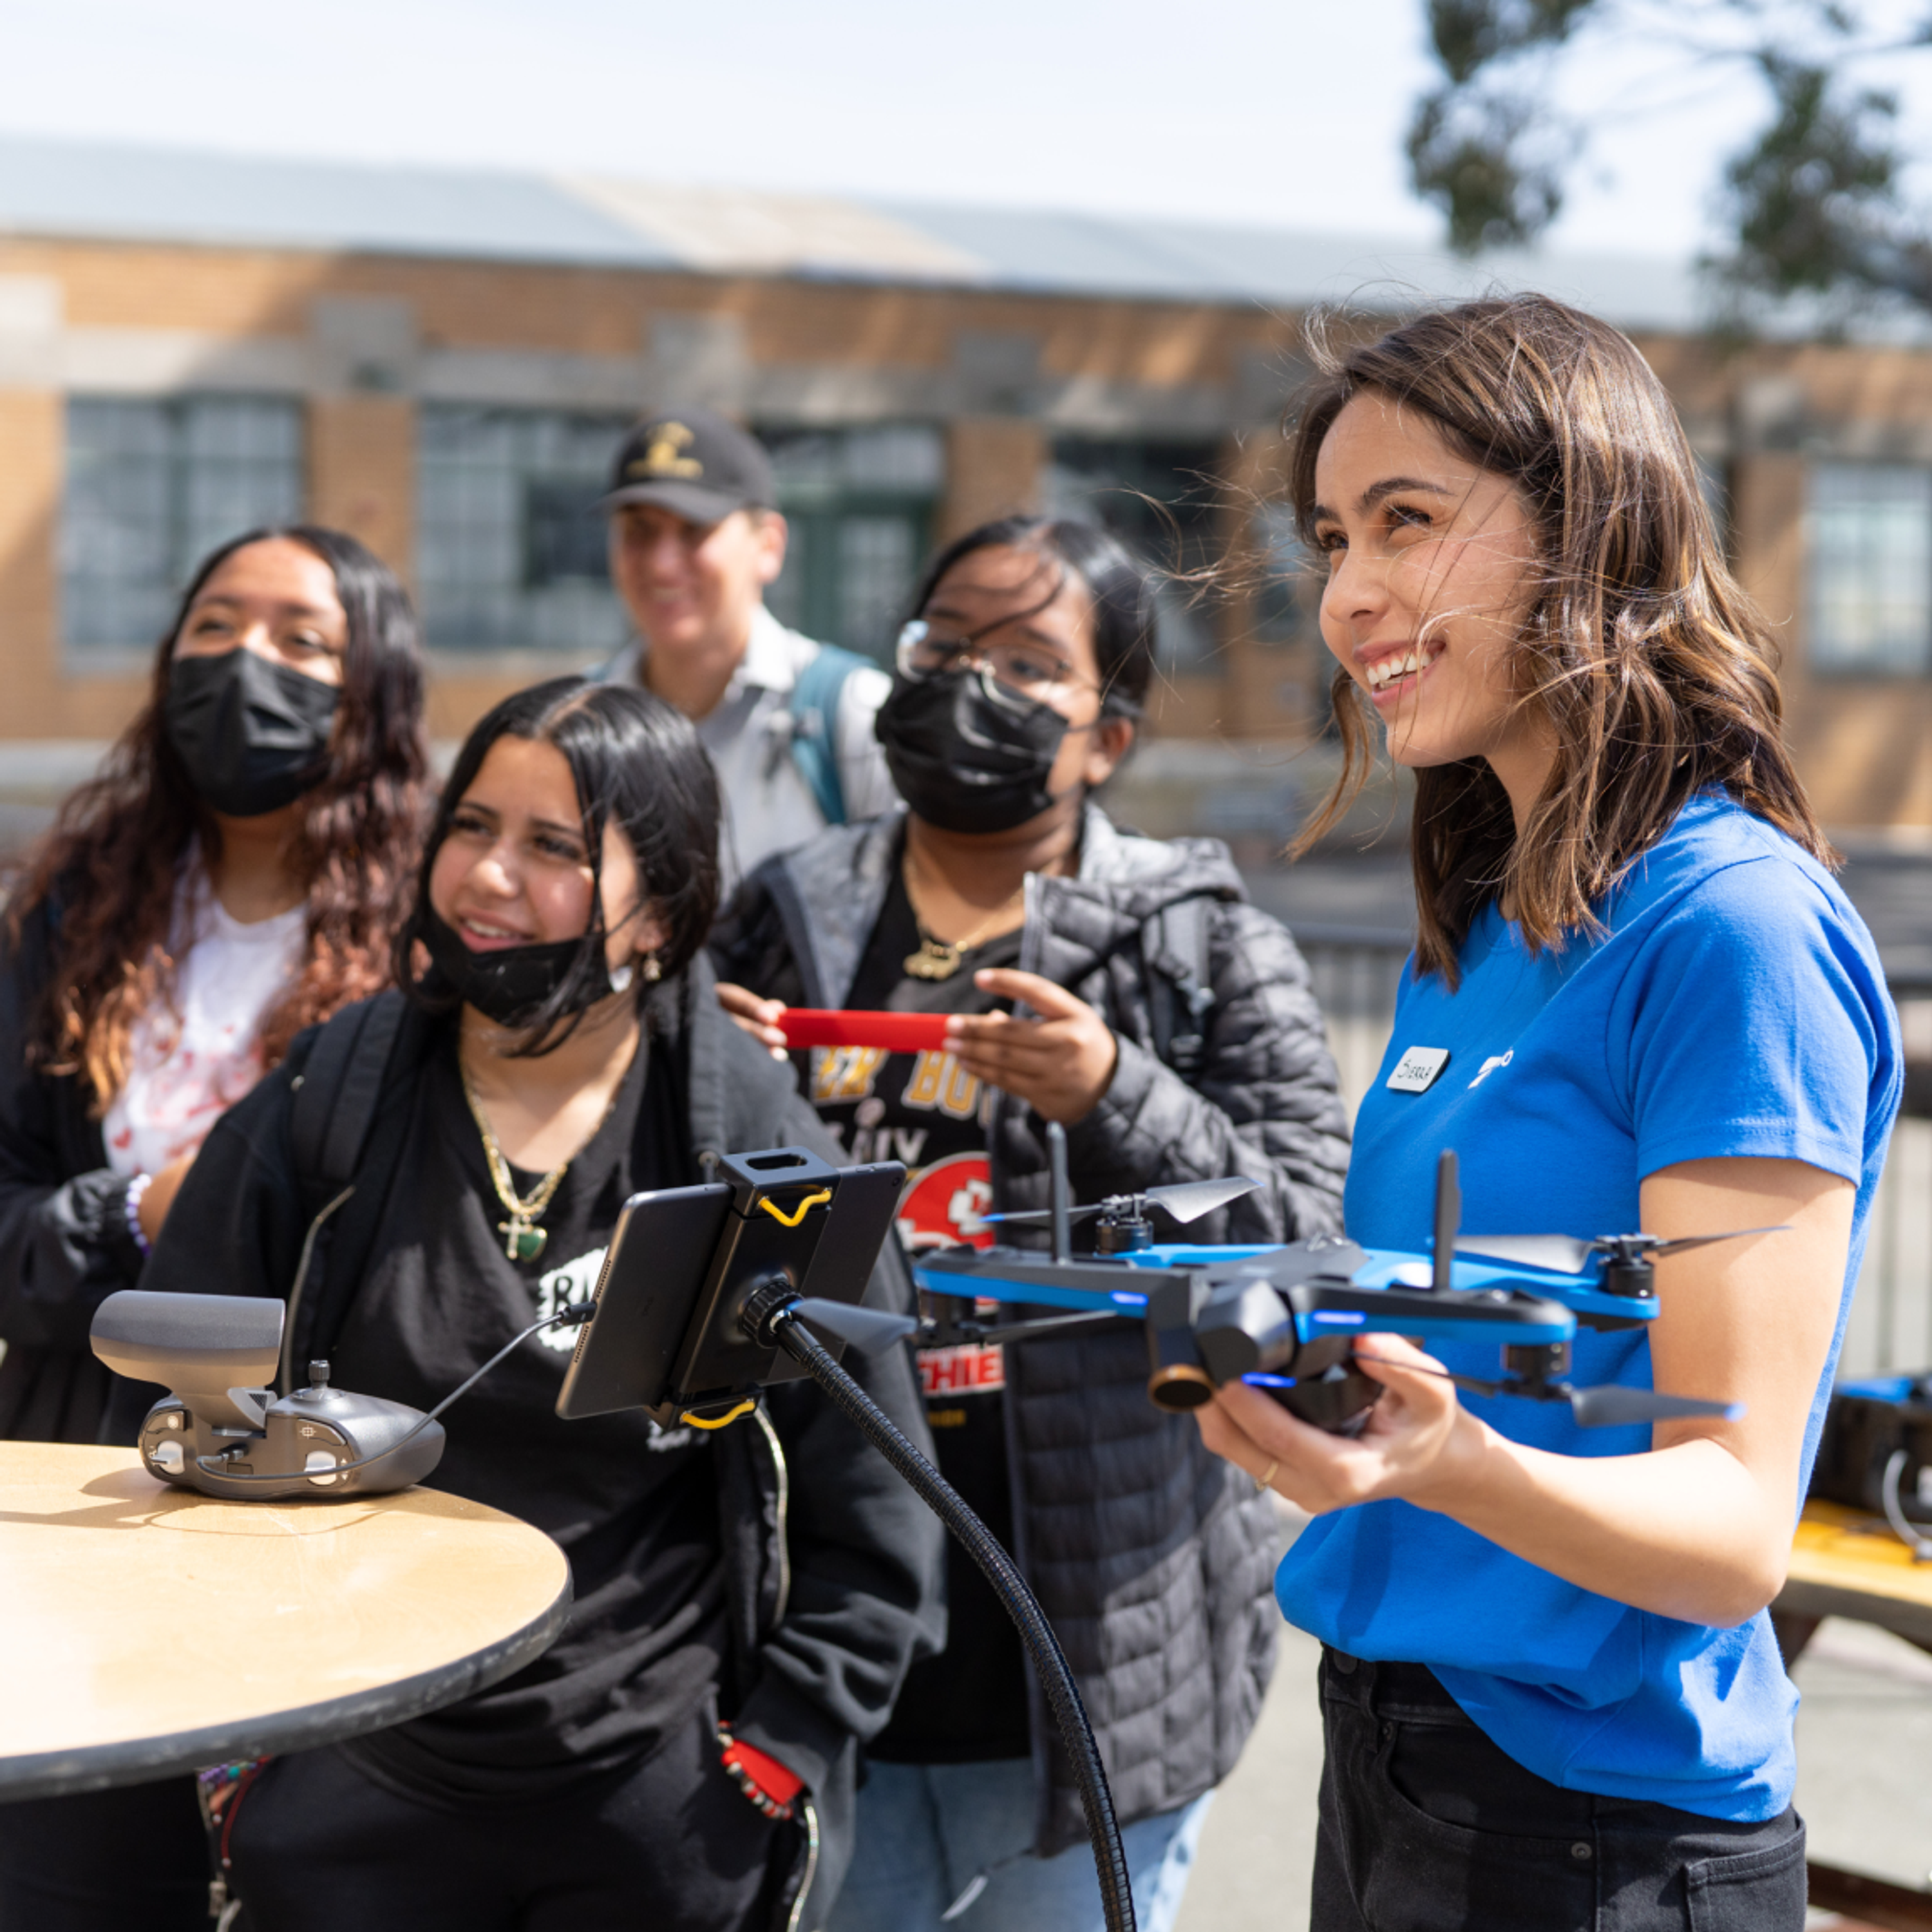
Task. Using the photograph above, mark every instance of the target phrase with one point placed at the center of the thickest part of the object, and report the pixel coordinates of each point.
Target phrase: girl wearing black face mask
(1122, 987)
(236, 872)
(563, 1049)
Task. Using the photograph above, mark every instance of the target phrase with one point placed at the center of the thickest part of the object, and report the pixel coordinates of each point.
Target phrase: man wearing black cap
(695, 537)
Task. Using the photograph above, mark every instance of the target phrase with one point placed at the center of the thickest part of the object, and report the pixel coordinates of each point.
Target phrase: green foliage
(1813, 205)
(1814, 201)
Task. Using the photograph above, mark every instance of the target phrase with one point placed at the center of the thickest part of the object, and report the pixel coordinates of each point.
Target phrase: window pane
(877, 556)
(1871, 568)
(1159, 499)
(859, 504)
(1286, 590)
(510, 546)
(151, 487)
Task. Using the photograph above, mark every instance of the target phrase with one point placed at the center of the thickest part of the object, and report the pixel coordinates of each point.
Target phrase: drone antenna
(1448, 1219)
(1063, 1194)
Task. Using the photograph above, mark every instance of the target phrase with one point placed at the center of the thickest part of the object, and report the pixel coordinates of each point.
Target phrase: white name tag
(1415, 1072)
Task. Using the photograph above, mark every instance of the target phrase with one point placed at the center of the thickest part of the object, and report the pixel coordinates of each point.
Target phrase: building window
(151, 487)
(1162, 500)
(1287, 590)
(1871, 568)
(860, 505)
(510, 545)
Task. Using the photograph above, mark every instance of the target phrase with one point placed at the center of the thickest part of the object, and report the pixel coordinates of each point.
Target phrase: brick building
(442, 363)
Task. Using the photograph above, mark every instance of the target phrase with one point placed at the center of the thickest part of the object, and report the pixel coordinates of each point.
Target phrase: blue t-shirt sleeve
(1750, 1023)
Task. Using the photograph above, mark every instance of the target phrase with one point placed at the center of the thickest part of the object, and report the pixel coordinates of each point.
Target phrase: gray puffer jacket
(1152, 1558)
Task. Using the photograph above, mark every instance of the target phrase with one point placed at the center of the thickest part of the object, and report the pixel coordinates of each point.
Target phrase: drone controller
(221, 1430)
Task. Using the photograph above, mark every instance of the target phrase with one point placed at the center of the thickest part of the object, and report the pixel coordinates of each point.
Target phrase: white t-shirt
(189, 1070)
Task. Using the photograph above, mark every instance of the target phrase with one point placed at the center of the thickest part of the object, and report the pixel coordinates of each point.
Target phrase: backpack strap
(814, 725)
(335, 1107)
(1181, 991)
(335, 1104)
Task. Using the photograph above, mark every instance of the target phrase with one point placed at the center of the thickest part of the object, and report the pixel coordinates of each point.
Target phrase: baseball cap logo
(663, 455)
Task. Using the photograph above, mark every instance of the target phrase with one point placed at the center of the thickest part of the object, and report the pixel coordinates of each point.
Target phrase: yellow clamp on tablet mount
(818, 1198)
(798, 1214)
(724, 1421)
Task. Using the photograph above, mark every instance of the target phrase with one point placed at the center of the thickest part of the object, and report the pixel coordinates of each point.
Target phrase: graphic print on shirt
(940, 1208)
(193, 1055)
(575, 1281)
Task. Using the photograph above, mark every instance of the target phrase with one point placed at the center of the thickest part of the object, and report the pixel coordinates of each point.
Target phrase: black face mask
(254, 736)
(512, 984)
(968, 755)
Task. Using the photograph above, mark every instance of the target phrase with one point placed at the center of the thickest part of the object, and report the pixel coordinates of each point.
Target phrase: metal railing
(1355, 971)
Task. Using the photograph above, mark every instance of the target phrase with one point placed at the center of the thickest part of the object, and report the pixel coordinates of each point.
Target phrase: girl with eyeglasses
(1123, 987)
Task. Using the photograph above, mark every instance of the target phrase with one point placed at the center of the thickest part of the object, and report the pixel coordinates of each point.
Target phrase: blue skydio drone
(1287, 1318)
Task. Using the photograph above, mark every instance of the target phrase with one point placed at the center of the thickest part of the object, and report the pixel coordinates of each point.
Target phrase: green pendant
(522, 1242)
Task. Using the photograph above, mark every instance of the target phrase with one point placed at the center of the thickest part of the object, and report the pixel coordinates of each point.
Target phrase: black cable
(1049, 1661)
(577, 1311)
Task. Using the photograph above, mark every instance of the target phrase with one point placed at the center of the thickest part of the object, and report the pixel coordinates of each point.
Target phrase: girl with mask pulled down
(237, 871)
(1551, 1696)
(1123, 987)
(746, 1601)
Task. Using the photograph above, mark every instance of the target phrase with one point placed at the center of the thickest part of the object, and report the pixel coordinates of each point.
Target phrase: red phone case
(898, 1032)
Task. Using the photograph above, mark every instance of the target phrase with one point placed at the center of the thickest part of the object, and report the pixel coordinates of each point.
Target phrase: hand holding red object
(759, 1776)
(898, 1032)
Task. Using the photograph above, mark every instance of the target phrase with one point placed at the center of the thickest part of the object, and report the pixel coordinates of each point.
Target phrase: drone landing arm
(770, 1317)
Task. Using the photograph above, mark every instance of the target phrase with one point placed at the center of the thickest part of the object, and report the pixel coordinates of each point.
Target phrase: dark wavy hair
(637, 764)
(109, 867)
(1122, 591)
(1656, 671)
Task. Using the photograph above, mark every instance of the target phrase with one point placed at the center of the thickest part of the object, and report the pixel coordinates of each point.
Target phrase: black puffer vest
(1152, 1557)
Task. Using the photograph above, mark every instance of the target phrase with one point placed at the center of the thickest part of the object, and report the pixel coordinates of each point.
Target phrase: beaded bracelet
(130, 1207)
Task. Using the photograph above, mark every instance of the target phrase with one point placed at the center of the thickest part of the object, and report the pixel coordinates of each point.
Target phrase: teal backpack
(814, 725)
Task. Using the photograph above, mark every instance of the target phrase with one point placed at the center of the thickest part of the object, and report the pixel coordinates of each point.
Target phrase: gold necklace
(524, 1241)
(940, 958)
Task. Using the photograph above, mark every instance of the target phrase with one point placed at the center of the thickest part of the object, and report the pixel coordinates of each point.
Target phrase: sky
(1287, 113)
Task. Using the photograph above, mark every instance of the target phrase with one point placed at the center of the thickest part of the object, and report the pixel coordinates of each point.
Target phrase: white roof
(71, 190)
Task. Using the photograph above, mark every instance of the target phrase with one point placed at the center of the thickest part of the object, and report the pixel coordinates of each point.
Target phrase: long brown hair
(1657, 672)
(108, 870)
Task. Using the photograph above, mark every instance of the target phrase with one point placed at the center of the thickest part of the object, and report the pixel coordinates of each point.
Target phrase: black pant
(1427, 1826)
(106, 1861)
(672, 1845)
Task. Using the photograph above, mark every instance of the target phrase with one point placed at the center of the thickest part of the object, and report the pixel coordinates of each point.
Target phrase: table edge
(142, 1760)
(1802, 1596)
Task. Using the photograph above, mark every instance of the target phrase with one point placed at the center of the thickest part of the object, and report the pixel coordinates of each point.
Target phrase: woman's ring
(1267, 1475)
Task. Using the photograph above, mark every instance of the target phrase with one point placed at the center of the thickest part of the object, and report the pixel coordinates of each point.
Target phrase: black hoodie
(830, 1567)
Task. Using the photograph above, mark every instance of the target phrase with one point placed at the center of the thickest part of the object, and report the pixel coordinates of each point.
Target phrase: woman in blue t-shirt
(1551, 1692)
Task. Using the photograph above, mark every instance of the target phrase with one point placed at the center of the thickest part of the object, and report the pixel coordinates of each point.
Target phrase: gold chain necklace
(524, 1241)
(940, 958)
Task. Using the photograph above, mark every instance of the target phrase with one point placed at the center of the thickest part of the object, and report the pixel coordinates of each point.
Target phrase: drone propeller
(1182, 1201)
(1448, 1219)
(870, 1331)
(1609, 1405)
(1565, 1254)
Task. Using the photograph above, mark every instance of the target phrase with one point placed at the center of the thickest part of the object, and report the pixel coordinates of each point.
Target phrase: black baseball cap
(694, 463)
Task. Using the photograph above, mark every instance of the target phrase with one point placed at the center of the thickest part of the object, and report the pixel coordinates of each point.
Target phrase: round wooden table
(145, 1630)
